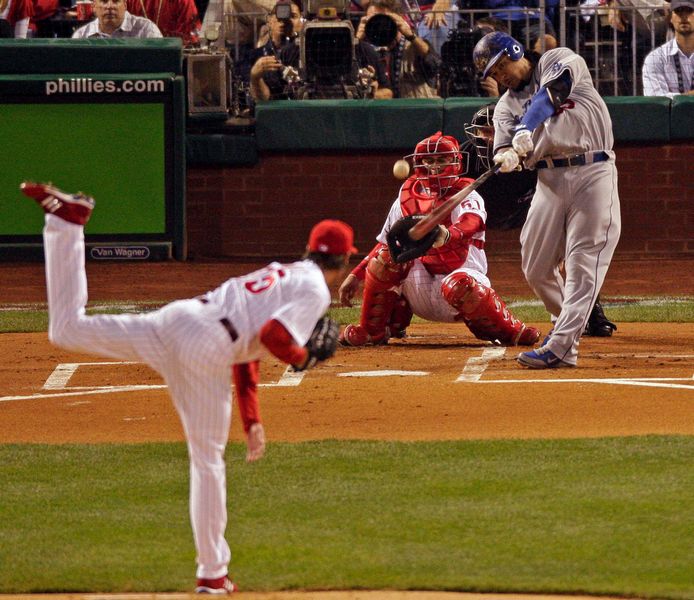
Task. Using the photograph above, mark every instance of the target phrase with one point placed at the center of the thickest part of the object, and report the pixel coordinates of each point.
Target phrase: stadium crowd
(383, 49)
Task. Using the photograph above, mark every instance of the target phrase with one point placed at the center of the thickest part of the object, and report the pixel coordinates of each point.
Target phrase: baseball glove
(322, 344)
(402, 247)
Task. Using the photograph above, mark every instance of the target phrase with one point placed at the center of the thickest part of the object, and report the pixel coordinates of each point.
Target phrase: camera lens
(381, 30)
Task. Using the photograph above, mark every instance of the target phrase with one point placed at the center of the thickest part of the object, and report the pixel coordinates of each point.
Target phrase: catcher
(441, 277)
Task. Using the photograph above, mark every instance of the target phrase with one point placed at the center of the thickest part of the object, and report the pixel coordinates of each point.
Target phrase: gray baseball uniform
(574, 215)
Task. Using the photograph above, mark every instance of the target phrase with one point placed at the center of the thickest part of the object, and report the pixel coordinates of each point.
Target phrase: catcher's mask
(480, 132)
(437, 162)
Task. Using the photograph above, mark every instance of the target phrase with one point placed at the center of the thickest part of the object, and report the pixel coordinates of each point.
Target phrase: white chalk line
(60, 376)
(640, 381)
(472, 373)
(385, 373)
(477, 365)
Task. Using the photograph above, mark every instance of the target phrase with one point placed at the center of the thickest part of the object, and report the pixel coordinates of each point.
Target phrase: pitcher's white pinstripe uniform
(186, 343)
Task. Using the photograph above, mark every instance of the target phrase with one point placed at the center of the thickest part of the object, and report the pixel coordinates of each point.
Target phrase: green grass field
(607, 516)
(34, 317)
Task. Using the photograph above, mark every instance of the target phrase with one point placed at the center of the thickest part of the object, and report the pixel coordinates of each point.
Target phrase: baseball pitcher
(193, 343)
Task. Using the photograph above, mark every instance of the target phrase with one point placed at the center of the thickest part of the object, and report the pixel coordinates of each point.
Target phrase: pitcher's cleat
(219, 586)
(74, 208)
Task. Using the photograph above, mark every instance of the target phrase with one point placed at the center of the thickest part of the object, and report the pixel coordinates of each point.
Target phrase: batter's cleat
(541, 358)
(75, 208)
(528, 337)
(356, 335)
(222, 585)
(598, 324)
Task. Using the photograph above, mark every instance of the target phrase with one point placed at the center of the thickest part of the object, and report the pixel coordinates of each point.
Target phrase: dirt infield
(439, 384)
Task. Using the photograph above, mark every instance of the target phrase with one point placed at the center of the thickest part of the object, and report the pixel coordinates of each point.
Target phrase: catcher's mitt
(322, 343)
(402, 247)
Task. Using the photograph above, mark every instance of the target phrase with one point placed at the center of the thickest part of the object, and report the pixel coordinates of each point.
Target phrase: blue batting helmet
(492, 47)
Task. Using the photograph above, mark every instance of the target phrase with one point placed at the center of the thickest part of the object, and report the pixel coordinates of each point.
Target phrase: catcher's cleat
(75, 208)
(598, 324)
(356, 335)
(528, 337)
(541, 358)
(222, 585)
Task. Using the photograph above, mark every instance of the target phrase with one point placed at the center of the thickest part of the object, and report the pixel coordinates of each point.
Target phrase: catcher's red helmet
(437, 161)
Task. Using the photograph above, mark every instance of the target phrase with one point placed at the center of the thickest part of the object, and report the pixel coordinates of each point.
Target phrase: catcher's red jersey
(416, 199)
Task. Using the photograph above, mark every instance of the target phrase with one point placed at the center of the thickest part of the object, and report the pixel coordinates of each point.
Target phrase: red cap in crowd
(331, 237)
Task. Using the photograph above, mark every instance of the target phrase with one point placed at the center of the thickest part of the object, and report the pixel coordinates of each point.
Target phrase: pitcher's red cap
(331, 237)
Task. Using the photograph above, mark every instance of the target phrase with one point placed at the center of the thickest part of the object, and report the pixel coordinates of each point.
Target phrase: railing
(614, 57)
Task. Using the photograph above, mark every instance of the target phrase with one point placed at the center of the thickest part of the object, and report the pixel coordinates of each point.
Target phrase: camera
(381, 30)
(458, 76)
(283, 10)
(283, 13)
(326, 9)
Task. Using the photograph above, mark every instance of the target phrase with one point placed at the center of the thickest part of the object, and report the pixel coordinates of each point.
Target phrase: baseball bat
(439, 214)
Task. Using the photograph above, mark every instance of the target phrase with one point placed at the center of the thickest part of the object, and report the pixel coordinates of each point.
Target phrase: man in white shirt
(114, 21)
(669, 69)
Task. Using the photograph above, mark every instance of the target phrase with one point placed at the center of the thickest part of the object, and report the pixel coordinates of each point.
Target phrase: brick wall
(267, 210)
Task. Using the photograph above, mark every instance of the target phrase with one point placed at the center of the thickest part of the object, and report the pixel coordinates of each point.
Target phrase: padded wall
(67, 56)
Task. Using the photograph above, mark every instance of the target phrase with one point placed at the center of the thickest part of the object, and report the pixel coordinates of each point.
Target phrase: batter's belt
(233, 334)
(578, 160)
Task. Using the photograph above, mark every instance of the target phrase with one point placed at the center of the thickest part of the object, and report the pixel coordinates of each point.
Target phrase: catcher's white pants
(423, 292)
(186, 344)
(574, 216)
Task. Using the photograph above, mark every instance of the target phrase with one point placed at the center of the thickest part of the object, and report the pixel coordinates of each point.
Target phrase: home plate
(384, 374)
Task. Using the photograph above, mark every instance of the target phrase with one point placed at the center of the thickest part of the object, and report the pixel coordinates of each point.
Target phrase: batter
(509, 197)
(553, 118)
(192, 343)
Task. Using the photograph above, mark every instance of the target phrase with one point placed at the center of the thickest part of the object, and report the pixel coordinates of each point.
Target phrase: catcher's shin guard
(382, 274)
(400, 317)
(484, 312)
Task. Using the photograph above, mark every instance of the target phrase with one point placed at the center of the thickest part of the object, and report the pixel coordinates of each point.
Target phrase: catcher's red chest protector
(415, 199)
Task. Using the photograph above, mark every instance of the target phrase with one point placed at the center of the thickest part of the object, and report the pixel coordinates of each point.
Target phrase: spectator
(644, 21)
(43, 10)
(289, 55)
(669, 69)
(174, 18)
(114, 21)
(279, 32)
(16, 15)
(439, 19)
(410, 62)
(525, 26)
